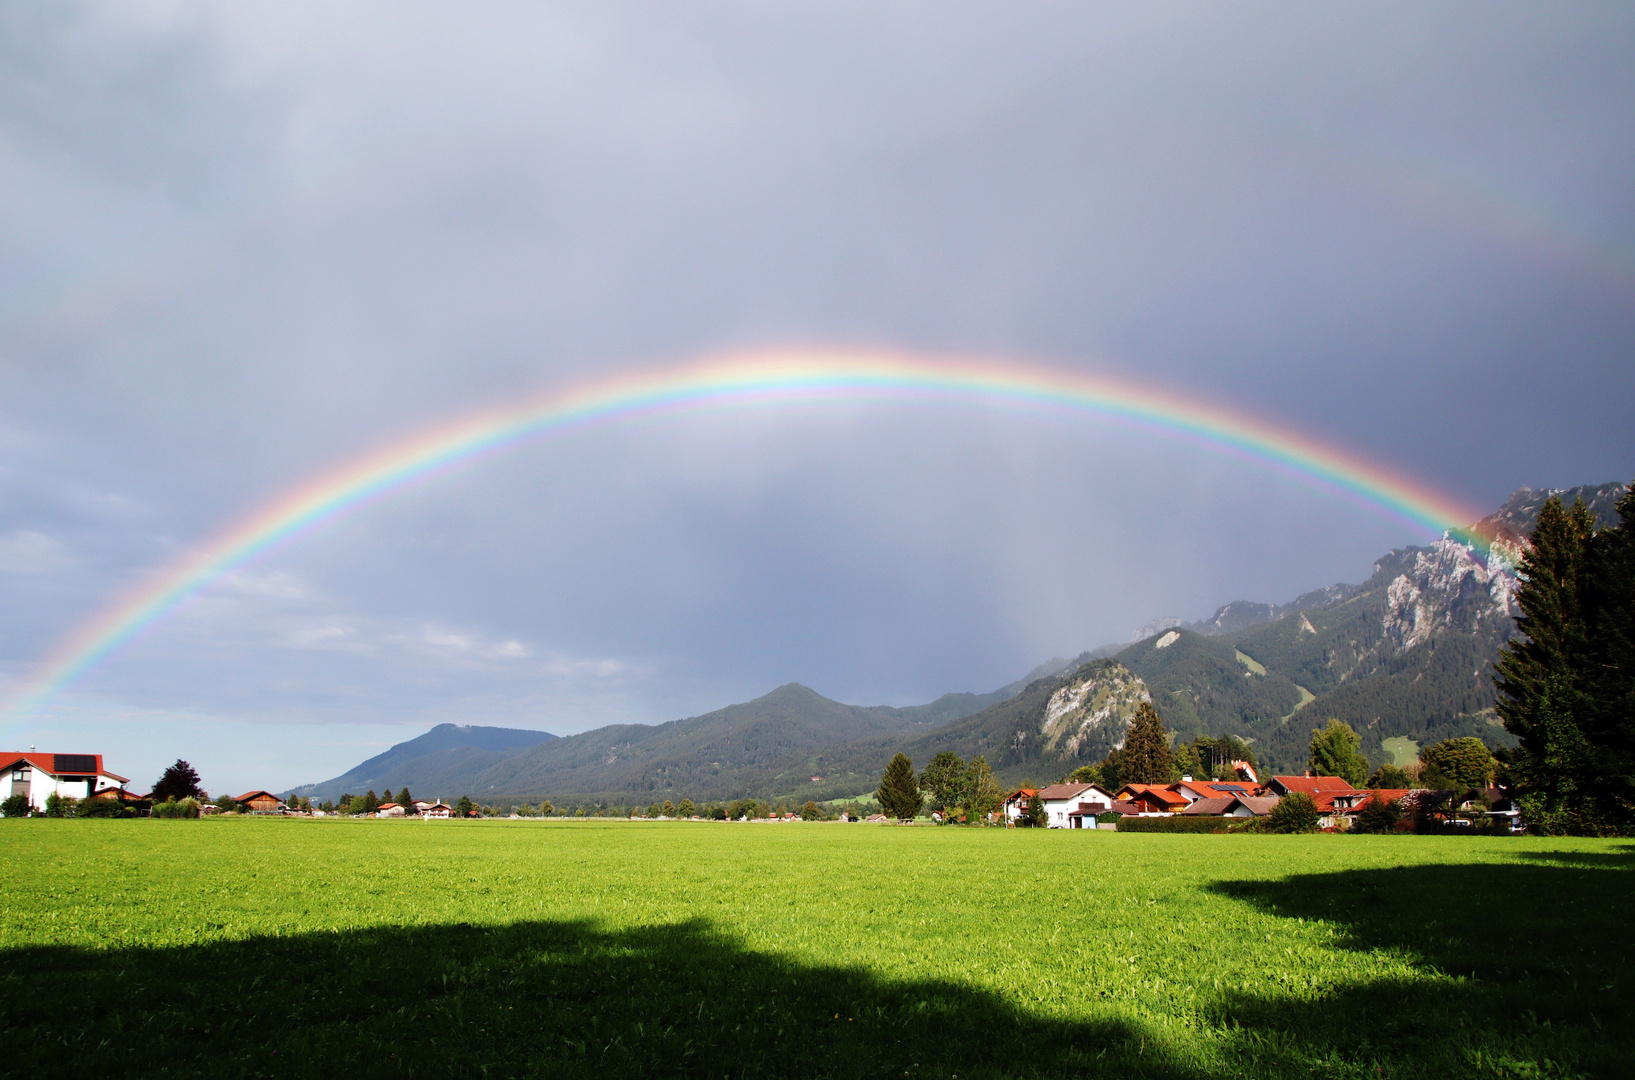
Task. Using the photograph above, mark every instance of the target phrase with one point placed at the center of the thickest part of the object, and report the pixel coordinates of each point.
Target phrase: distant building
(435, 810)
(392, 809)
(259, 802)
(37, 776)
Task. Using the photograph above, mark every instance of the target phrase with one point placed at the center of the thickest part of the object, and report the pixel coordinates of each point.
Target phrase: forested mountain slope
(471, 746)
(750, 748)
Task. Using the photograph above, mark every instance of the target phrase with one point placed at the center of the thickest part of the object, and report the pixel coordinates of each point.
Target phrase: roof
(60, 764)
(1258, 805)
(1157, 791)
(389, 806)
(248, 795)
(1028, 791)
(439, 806)
(1210, 806)
(1216, 789)
(1311, 785)
(1058, 792)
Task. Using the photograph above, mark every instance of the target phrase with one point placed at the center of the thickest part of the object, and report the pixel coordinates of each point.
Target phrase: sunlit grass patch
(290, 947)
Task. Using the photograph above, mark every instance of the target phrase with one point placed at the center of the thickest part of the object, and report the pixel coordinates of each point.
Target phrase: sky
(248, 243)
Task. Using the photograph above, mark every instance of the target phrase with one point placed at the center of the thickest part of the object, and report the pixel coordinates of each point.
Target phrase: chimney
(1186, 779)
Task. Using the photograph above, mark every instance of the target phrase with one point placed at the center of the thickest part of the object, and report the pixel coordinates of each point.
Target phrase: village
(80, 785)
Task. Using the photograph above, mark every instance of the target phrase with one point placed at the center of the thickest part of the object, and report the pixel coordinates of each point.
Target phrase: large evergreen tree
(1564, 682)
(179, 781)
(1336, 750)
(1550, 598)
(1608, 721)
(899, 792)
(1146, 757)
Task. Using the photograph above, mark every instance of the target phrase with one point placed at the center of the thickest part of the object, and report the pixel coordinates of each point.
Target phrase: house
(1211, 789)
(37, 776)
(120, 795)
(1238, 806)
(1016, 803)
(435, 810)
(1153, 798)
(392, 809)
(1311, 785)
(259, 802)
(1060, 800)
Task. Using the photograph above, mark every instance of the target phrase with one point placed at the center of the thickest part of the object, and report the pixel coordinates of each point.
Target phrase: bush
(15, 806)
(60, 805)
(1376, 816)
(1111, 817)
(1295, 812)
(1195, 824)
(109, 808)
(177, 808)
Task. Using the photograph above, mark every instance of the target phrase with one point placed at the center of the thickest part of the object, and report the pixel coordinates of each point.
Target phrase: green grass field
(299, 948)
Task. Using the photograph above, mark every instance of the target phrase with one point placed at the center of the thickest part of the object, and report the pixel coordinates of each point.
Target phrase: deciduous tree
(1466, 763)
(982, 792)
(1295, 812)
(943, 780)
(1336, 750)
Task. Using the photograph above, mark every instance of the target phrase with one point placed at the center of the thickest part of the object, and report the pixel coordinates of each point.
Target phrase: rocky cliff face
(1450, 586)
(1096, 700)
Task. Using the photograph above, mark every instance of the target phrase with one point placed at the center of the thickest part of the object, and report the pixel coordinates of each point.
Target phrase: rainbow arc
(747, 380)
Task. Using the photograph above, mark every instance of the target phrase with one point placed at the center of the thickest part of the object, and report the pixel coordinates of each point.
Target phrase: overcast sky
(245, 242)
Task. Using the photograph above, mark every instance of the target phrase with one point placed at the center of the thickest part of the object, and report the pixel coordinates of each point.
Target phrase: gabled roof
(60, 764)
(1311, 785)
(1216, 789)
(1258, 805)
(389, 806)
(1058, 792)
(248, 795)
(1156, 791)
(1210, 806)
(1029, 792)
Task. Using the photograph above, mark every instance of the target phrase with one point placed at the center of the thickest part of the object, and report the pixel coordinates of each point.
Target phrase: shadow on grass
(558, 999)
(1518, 969)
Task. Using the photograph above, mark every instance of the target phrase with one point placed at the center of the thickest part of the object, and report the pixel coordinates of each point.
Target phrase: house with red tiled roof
(1066, 805)
(1311, 785)
(392, 809)
(1016, 803)
(1238, 806)
(37, 776)
(1154, 798)
(1212, 789)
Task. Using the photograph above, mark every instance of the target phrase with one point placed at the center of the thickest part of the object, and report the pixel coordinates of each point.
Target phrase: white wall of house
(39, 785)
(1056, 810)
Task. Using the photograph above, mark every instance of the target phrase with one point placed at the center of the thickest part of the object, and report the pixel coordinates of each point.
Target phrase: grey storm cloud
(247, 242)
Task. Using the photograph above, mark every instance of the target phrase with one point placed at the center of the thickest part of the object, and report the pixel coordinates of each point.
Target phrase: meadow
(301, 948)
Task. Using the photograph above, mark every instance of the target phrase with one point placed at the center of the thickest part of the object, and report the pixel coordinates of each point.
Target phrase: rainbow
(743, 380)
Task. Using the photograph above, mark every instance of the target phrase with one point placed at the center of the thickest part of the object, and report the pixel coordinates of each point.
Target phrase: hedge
(1197, 824)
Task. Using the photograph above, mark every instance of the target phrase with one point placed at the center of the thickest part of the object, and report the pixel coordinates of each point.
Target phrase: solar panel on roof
(73, 763)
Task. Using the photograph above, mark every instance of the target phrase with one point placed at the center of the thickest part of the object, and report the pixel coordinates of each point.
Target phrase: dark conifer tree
(1146, 757)
(1547, 678)
(1551, 620)
(899, 792)
(177, 782)
(1609, 720)
(404, 799)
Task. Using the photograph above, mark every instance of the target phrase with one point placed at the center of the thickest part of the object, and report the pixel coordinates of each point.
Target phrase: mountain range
(1403, 657)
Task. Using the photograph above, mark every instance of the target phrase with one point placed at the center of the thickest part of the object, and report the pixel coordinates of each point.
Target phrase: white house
(435, 810)
(1017, 802)
(37, 776)
(1066, 804)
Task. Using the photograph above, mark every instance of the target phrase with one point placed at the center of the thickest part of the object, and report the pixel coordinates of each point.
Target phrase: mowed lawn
(301, 948)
